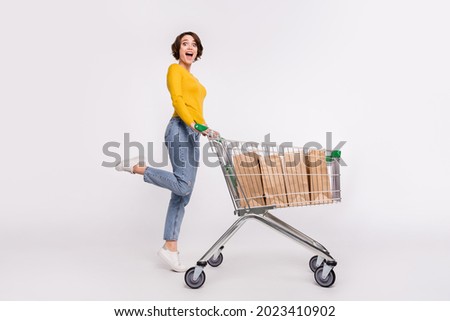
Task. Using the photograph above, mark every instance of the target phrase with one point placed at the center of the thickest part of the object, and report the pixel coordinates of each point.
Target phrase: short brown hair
(177, 44)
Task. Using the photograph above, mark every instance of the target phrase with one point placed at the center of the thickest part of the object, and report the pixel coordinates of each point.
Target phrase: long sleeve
(174, 84)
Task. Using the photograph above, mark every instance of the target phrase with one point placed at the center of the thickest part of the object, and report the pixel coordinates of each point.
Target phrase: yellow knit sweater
(187, 95)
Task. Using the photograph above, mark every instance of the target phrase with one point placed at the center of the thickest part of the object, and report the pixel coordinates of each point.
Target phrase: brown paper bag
(318, 177)
(248, 175)
(273, 180)
(296, 179)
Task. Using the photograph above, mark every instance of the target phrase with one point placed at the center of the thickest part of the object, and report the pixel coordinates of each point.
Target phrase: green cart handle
(200, 127)
(334, 154)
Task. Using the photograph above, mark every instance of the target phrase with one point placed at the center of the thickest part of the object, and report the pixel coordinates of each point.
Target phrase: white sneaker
(172, 259)
(127, 165)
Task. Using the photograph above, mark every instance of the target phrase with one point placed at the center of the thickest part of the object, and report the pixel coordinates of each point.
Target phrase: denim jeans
(183, 144)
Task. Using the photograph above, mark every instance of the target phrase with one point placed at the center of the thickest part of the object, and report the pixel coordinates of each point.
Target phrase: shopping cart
(260, 178)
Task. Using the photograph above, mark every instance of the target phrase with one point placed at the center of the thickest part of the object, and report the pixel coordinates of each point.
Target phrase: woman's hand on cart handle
(205, 130)
(199, 128)
(213, 134)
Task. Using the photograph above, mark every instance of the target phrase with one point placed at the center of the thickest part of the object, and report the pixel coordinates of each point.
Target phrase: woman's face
(188, 50)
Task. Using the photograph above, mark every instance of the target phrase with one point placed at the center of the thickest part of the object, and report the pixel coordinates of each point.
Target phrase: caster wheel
(312, 263)
(328, 281)
(216, 262)
(189, 279)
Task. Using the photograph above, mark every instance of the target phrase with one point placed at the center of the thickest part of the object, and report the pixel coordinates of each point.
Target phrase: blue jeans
(183, 144)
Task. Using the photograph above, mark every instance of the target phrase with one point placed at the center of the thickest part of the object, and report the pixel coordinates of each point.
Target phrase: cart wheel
(328, 281)
(313, 262)
(189, 279)
(216, 262)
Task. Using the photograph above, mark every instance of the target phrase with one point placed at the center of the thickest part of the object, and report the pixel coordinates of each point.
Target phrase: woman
(183, 131)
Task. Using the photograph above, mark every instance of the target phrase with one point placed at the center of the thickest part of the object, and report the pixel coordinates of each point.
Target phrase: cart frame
(322, 264)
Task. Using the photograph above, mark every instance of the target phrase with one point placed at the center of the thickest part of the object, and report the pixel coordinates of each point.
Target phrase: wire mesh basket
(278, 176)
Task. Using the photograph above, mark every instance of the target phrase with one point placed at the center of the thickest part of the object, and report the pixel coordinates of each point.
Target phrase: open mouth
(189, 54)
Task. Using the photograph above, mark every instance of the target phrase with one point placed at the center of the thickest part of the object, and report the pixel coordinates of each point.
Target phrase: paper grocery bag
(319, 182)
(273, 180)
(248, 175)
(296, 179)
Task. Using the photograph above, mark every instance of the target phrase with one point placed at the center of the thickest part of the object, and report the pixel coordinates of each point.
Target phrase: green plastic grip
(200, 127)
(334, 154)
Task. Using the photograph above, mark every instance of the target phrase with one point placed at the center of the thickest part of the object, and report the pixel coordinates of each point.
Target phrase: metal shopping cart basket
(261, 178)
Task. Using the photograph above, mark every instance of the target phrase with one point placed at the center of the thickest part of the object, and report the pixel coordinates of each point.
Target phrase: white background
(75, 75)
